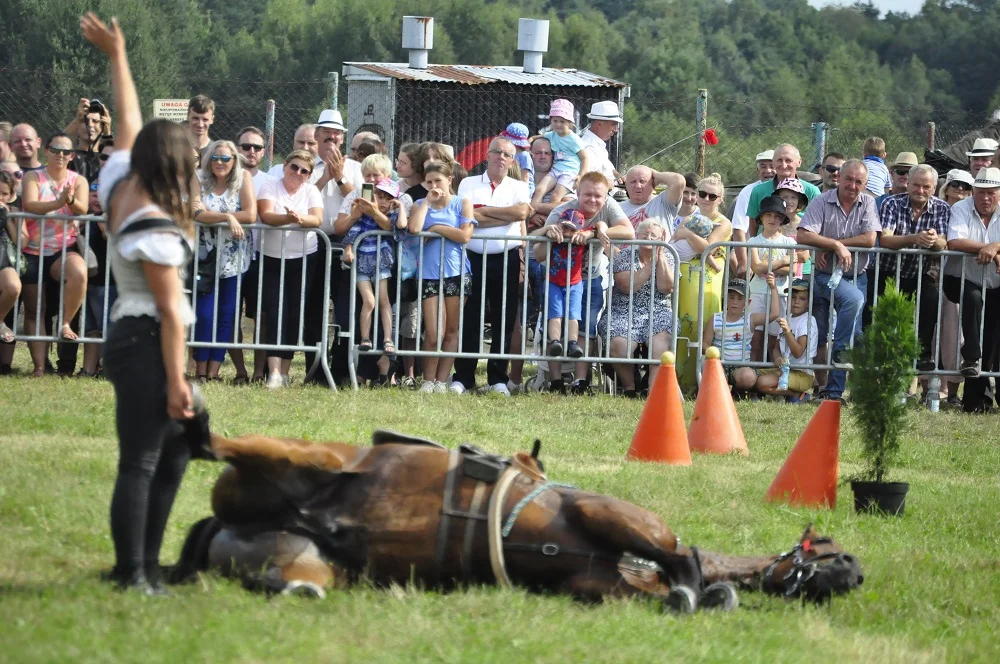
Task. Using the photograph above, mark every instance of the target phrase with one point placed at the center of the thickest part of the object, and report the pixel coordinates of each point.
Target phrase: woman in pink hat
(569, 156)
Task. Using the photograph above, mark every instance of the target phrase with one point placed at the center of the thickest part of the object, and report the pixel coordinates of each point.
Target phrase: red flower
(710, 137)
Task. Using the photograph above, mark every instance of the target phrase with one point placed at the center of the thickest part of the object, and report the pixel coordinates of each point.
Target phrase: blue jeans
(848, 301)
(221, 321)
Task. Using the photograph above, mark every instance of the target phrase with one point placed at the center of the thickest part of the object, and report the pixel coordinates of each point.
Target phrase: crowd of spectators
(471, 270)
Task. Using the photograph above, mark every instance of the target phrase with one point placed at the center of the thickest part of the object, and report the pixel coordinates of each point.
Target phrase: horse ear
(809, 534)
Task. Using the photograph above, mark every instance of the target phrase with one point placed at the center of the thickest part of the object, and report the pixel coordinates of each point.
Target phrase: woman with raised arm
(146, 192)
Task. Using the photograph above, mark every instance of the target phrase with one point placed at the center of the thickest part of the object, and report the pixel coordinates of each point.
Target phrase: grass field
(931, 593)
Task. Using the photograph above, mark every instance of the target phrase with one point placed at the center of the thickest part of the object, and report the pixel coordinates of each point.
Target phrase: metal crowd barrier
(593, 353)
(877, 273)
(321, 360)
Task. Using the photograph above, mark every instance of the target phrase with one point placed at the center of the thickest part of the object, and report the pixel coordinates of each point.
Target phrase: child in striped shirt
(732, 330)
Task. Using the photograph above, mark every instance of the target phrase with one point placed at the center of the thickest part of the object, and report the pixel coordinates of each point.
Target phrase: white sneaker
(500, 388)
(440, 387)
(274, 382)
(427, 387)
(456, 387)
(285, 380)
(514, 388)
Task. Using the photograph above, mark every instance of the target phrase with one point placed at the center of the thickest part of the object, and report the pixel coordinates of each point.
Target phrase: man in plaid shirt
(916, 220)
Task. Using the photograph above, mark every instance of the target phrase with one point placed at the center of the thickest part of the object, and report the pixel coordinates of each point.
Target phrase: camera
(96, 106)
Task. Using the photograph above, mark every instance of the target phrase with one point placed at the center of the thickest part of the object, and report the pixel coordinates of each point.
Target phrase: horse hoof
(719, 596)
(681, 599)
(304, 589)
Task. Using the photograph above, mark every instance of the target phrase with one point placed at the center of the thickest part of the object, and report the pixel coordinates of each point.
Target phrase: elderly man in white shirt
(304, 139)
(501, 207)
(741, 222)
(975, 229)
(604, 123)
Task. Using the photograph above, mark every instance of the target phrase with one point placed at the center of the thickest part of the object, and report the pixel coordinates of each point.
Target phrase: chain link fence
(661, 133)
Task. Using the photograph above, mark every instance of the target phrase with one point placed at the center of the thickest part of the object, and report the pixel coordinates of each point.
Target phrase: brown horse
(294, 516)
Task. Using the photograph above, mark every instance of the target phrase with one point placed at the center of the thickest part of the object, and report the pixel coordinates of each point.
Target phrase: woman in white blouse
(291, 201)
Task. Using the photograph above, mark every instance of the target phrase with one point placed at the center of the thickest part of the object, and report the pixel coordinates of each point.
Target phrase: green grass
(931, 593)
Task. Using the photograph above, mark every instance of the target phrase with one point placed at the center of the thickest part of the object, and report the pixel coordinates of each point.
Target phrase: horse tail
(194, 553)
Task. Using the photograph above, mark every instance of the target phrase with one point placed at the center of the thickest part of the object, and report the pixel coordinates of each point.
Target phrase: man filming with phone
(91, 123)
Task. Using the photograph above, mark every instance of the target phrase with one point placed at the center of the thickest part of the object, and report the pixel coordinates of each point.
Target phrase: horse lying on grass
(298, 517)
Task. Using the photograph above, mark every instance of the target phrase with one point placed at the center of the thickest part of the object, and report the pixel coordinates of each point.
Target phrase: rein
(802, 570)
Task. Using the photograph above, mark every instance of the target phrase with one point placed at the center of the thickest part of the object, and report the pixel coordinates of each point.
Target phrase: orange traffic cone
(660, 435)
(715, 426)
(809, 475)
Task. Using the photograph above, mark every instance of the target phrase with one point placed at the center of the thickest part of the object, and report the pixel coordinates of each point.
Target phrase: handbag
(91, 258)
(203, 281)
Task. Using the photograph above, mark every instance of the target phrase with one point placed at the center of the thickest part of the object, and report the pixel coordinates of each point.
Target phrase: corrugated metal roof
(482, 74)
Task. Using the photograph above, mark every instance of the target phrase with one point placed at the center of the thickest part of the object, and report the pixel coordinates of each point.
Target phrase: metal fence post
(820, 130)
(268, 134)
(931, 131)
(333, 85)
(701, 122)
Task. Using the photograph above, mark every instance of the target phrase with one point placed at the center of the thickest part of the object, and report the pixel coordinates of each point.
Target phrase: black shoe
(970, 369)
(926, 364)
(573, 349)
(580, 387)
(555, 348)
(557, 387)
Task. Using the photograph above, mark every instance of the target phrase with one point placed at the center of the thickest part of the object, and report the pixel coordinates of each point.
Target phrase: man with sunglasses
(830, 170)
(899, 172)
(91, 123)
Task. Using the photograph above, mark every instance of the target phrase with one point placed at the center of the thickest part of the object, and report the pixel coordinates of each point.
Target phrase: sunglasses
(295, 168)
(223, 158)
(17, 174)
(251, 147)
(832, 169)
(104, 157)
(901, 171)
(94, 186)
(63, 151)
(705, 194)
(960, 185)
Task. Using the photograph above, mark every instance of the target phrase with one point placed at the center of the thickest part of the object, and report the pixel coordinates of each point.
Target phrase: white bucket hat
(983, 147)
(331, 118)
(958, 175)
(988, 178)
(605, 110)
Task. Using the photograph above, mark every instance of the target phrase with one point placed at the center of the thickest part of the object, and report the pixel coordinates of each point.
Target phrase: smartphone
(368, 191)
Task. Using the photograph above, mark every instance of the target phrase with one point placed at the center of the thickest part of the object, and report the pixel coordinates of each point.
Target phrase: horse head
(816, 568)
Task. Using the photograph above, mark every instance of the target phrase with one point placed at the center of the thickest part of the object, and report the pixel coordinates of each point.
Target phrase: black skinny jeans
(291, 299)
(152, 451)
(501, 319)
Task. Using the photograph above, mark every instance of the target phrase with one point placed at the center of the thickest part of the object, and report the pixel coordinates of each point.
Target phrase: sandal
(388, 347)
(365, 345)
(6, 334)
(241, 380)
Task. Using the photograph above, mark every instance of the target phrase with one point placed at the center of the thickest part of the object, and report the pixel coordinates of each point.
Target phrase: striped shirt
(733, 337)
(896, 216)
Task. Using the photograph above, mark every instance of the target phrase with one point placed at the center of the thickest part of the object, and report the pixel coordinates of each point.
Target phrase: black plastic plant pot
(888, 498)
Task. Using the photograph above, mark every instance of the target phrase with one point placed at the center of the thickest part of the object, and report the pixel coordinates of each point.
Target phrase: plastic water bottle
(835, 278)
(783, 376)
(934, 394)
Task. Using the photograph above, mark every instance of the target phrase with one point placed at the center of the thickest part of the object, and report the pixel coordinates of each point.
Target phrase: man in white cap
(975, 229)
(741, 222)
(981, 154)
(605, 121)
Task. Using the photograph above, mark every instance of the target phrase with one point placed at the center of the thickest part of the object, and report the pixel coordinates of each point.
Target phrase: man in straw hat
(899, 171)
(981, 155)
(975, 282)
(605, 120)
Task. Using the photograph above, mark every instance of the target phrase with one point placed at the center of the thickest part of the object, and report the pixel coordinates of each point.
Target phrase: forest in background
(773, 67)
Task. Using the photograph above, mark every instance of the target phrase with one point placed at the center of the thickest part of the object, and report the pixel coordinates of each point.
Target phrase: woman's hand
(108, 40)
(179, 401)
(235, 228)
(67, 196)
(682, 233)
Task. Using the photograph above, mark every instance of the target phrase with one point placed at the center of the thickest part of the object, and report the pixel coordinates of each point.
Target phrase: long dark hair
(162, 160)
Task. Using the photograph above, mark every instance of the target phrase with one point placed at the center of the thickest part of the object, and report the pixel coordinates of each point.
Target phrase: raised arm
(111, 41)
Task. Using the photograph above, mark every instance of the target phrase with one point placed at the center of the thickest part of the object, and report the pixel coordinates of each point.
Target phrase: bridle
(802, 570)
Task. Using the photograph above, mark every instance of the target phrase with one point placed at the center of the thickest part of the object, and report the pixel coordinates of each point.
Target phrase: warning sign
(170, 109)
